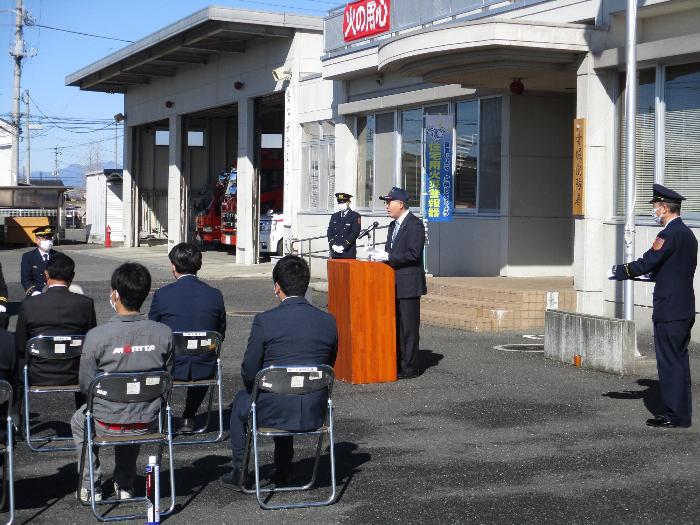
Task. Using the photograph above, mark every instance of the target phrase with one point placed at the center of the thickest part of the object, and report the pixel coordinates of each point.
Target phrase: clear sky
(60, 53)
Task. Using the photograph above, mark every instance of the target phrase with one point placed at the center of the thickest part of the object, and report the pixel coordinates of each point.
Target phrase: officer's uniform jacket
(343, 231)
(32, 270)
(671, 263)
(406, 256)
(126, 343)
(190, 305)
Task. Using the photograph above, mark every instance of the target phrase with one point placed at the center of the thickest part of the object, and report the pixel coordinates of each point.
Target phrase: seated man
(190, 305)
(56, 312)
(34, 261)
(293, 333)
(104, 350)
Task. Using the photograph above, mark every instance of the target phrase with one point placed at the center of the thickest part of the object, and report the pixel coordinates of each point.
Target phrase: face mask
(343, 206)
(657, 218)
(46, 245)
(112, 303)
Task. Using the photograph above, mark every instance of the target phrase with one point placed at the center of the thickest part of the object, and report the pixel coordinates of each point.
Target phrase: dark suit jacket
(190, 305)
(32, 270)
(344, 231)
(294, 333)
(406, 257)
(671, 261)
(55, 312)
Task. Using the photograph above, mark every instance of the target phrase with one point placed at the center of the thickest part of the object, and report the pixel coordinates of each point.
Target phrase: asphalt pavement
(482, 436)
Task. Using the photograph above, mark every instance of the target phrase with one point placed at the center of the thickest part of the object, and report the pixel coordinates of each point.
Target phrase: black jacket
(32, 271)
(190, 305)
(406, 257)
(671, 261)
(294, 333)
(55, 312)
(344, 231)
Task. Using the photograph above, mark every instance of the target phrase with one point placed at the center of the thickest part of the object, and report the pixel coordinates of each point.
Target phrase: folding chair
(6, 448)
(48, 347)
(128, 387)
(202, 343)
(290, 380)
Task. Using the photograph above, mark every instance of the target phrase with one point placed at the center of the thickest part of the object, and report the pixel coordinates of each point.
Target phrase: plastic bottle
(152, 491)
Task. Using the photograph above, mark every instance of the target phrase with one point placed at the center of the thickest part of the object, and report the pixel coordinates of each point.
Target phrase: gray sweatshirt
(125, 343)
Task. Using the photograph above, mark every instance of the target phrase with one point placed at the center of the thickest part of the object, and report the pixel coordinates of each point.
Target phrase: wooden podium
(361, 297)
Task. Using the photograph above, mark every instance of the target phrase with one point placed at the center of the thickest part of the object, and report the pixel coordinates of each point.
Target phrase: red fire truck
(208, 222)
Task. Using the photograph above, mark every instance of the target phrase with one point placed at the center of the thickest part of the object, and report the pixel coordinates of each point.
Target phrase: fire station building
(502, 120)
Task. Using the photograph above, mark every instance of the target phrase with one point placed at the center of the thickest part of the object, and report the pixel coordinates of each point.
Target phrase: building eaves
(188, 41)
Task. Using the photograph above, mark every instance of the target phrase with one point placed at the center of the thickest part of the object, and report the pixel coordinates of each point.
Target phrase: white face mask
(343, 206)
(46, 245)
(111, 302)
(657, 218)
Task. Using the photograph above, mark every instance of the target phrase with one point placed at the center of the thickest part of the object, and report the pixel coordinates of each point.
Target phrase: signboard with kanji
(366, 18)
(579, 175)
(438, 168)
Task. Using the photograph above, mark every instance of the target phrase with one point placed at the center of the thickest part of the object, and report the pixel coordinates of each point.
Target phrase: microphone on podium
(369, 230)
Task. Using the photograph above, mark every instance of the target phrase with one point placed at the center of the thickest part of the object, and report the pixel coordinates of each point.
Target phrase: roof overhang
(187, 43)
(491, 53)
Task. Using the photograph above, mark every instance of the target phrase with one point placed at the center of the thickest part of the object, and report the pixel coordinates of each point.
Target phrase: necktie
(46, 257)
(396, 230)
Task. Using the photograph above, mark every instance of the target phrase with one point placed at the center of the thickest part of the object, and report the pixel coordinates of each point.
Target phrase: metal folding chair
(202, 343)
(290, 380)
(128, 387)
(48, 347)
(6, 448)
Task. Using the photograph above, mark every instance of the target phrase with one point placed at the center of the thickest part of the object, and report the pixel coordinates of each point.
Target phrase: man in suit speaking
(293, 333)
(190, 305)
(404, 253)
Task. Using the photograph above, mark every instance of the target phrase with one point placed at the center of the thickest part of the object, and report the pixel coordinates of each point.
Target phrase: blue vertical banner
(438, 168)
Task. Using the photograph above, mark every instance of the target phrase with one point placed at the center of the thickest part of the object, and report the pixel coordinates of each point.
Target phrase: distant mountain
(71, 175)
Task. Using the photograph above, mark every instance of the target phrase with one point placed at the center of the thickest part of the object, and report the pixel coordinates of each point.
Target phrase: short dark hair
(292, 274)
(133, 283)
(186, 257)
(673, 207)
(61, 268)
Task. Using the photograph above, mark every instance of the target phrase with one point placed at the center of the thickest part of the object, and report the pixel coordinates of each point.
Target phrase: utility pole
(55, 162)
(18, 53)
(26, 127)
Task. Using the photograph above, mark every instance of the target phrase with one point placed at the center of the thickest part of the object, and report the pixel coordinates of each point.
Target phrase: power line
(79, 145)
(81, 33)
(286, 6)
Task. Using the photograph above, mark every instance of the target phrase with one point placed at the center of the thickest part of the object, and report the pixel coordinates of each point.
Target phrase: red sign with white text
(366, 18)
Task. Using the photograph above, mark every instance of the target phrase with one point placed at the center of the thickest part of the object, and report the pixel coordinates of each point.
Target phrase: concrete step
(470, 320)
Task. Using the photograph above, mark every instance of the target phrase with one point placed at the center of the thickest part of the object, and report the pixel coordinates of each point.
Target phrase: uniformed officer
(343, 229)
(34, 261)
(670, 262)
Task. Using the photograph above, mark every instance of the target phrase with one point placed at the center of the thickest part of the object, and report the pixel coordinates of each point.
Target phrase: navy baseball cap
(664, 194)
(395, 194)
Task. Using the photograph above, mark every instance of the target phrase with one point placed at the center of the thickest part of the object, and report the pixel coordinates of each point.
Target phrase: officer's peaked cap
(43, 231)
(664, 194)
(343, 197)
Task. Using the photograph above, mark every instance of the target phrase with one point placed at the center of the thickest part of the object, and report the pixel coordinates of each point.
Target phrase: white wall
(5, 158)
(95, 207)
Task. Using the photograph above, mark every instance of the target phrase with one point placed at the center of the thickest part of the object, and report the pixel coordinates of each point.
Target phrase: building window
(489, 171)
(365, 161)
(477, 167)
(195, 139)
(682, 133)
(162, 137)
(318, 166)
(467, 155)
(412, 153)
(645, 124)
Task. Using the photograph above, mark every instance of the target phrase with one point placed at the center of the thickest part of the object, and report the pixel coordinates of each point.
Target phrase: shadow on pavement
(651, 397)
(428, 359)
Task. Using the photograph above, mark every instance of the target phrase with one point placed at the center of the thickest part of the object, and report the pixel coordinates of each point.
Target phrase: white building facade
(6, 132)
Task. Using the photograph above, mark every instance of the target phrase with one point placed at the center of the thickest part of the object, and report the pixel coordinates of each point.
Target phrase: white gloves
(611, 273)
(378, 255)
(2, 309)
(337, 248)
(35, 293)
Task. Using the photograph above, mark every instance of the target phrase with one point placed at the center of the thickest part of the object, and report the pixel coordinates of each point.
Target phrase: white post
(176, 205)
(245, 251)
(630, 136)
